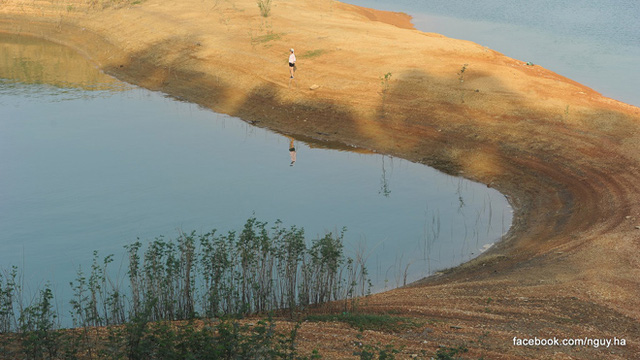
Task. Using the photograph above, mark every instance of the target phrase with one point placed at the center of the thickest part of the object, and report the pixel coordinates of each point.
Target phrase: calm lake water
(594, 42)
(89, 163)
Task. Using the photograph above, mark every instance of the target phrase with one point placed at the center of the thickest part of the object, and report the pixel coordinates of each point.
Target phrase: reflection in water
(32, 61)
(460, 198)
(431, 233)
(292, 151)
(385, 190)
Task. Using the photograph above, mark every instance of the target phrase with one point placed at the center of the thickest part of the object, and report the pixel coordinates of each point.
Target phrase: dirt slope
(567, 157)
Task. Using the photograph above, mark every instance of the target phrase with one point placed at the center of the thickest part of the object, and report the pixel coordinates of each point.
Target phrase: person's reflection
(292, 152)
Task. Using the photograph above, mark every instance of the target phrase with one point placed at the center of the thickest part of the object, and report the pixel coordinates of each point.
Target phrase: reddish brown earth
(567, 157)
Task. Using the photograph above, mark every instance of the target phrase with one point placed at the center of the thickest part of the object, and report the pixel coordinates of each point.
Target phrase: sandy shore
(567, 157)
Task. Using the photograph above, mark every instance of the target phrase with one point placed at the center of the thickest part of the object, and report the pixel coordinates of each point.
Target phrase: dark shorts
(292, 64)
(292, 149)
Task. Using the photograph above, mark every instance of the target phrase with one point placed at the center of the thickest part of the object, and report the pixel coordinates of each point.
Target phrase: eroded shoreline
(571, 175)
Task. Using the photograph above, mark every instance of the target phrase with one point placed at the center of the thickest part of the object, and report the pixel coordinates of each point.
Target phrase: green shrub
(265, 7)
(376, 322)
(450, 353)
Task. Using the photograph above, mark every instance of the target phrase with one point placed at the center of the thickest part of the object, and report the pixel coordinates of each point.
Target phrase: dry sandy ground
(567, 157)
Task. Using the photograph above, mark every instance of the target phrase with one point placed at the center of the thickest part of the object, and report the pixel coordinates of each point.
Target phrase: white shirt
(292, 58)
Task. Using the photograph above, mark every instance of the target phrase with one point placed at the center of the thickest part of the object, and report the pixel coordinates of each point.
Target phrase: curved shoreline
(571, 176)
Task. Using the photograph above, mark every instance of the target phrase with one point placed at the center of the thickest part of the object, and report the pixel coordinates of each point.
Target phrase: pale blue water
(94, 170)
(594, 42)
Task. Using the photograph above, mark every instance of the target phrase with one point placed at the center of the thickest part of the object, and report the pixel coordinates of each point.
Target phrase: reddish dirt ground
(566, 157)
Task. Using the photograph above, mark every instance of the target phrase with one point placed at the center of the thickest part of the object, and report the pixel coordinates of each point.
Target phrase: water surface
(89, 163)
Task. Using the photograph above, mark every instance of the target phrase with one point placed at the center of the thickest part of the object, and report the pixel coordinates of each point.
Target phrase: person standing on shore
(292, 63)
